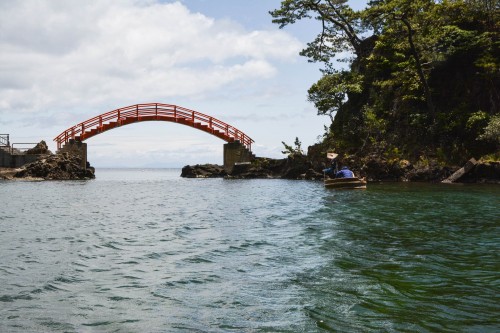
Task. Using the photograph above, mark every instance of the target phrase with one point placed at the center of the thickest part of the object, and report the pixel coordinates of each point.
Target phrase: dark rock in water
(40, 148)
(203, 171)
(312, 174)
(376, 168)
(259, 168)
(297, 167)
(57, 167)
(485, 172)
(427, 174)
(300, 167)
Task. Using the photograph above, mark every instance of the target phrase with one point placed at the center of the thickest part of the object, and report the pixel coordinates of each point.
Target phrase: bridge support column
(234, 153)
(78, 148)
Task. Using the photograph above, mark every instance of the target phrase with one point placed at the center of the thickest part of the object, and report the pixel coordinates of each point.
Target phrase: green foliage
(488, 64)
(493, 157)
(342, 26)
(418, 74)
(293, 151)
(393, 154)
(331, 91)
(475, 118)
(423, 162)
(492, 130)
(452, 40)
(374, 127)
(441, 155)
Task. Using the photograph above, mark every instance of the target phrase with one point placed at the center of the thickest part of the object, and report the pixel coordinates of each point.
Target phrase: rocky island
(49, 166)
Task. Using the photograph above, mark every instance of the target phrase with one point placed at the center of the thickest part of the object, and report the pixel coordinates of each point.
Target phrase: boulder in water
(203, 171)
(57, 167)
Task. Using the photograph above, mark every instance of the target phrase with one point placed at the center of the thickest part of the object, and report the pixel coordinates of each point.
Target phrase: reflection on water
(145, 250)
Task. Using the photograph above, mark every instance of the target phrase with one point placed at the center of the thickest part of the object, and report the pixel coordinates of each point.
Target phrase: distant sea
(148, 251)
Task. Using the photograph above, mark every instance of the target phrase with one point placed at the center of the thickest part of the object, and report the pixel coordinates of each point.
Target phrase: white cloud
(62, 62)
(64, 55)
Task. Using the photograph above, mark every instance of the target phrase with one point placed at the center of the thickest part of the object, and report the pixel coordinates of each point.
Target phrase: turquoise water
(148, 251)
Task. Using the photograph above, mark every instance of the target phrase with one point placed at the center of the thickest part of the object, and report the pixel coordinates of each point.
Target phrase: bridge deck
(152, 112)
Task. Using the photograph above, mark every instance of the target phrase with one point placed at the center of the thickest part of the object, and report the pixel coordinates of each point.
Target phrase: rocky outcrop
(56, 167)
(7, 173)
(40, 148)
(379, 169)
(203, 171)
(483, 172)
(296, 167)
(373, 167)
(293, 167)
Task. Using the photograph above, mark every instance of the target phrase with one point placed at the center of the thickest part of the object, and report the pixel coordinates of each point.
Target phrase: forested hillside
(422, 79)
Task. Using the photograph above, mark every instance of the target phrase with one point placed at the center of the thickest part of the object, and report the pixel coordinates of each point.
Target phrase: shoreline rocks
(47, 166)
(203, 171)
(296, 167)
(374, 169)
(8, 173)
(55, 167)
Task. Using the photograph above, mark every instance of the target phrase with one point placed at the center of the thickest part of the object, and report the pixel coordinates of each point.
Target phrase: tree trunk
(423, 80)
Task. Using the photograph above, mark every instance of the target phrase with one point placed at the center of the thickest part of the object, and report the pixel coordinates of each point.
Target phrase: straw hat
(331, 155)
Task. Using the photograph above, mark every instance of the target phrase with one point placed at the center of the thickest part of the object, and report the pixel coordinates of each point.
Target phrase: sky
(63, 62)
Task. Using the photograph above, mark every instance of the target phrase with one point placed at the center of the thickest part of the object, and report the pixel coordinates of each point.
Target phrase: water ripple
(139, 250)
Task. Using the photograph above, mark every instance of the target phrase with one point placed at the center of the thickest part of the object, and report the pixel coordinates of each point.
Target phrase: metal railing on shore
(16, 148)
(21, 147)
(4, 140)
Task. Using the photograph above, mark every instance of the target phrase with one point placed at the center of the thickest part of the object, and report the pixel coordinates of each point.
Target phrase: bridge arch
(152, 112)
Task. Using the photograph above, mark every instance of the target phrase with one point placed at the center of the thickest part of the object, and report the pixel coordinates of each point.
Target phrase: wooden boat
(345, 183)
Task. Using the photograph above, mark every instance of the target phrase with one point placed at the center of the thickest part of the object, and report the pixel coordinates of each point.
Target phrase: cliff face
(427, 89)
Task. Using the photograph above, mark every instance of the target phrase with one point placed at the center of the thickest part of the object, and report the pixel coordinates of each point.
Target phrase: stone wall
(234, 153)
(8, 160)
(78, 148)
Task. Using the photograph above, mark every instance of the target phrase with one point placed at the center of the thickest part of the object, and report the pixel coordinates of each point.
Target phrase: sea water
(149, 251)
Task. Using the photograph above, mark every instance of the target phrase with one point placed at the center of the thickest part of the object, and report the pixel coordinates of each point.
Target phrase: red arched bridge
(152, 112)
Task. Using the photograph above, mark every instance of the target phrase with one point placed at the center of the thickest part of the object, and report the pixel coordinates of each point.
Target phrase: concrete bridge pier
(234, 153)
(75, 147)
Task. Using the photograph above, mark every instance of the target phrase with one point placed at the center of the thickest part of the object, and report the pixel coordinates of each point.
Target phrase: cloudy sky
(62, 62)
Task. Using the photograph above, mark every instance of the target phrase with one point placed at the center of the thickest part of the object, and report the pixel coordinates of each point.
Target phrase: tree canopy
(422, 77)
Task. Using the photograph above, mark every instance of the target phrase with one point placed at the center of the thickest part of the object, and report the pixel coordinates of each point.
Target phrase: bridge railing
(154, 111)
(4, 140)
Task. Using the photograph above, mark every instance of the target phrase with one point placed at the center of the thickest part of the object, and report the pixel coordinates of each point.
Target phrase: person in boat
(332, 170)
(334, 167)
(344, 173)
